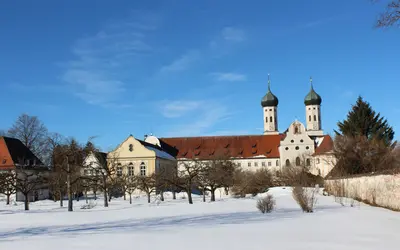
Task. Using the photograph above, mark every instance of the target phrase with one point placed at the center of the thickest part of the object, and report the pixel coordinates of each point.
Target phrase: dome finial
(311, 82)
(269, 83)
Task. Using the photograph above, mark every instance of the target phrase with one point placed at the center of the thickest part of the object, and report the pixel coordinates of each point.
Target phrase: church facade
(299, 145)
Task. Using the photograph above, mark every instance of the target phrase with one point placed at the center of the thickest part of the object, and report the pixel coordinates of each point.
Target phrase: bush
(248, 182)
(305, 197)
(266, 204)
(89, 205)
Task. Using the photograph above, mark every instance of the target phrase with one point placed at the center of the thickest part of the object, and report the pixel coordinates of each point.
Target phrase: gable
(5, 157)
(131, 148)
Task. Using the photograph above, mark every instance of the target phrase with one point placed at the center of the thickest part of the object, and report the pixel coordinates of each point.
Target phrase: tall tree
(362, 120)
(69, 159)
(391, 16)
(32, 133)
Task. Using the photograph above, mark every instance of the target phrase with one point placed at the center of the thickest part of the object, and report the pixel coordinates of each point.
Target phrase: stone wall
(379, 190)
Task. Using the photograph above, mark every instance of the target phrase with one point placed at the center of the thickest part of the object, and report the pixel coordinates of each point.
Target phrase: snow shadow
(154, 224)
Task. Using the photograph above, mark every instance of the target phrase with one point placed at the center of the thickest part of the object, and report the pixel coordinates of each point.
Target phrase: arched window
(297, 161)
(270, 119)
(266, 119)
(315, 118)
(142, 169)
(130, 169)
(309, 118)
(308, 162)
(296, 129)
(287, 163)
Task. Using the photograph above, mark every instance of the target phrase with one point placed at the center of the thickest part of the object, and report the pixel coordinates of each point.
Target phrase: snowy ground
(226, 224)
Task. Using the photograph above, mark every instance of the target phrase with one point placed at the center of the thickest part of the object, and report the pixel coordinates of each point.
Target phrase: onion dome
(312, 98)
(269, 99)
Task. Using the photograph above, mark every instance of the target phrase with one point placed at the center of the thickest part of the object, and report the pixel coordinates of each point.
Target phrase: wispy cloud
(229, 76)
(100, 60)
(183, 62)
(233, 34)
(208, 114)
(179, 108)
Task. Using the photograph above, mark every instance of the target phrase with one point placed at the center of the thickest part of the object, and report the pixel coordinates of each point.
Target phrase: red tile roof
(325, 147)
(244, 146)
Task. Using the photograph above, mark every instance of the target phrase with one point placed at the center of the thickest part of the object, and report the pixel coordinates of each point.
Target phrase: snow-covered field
(226, 224)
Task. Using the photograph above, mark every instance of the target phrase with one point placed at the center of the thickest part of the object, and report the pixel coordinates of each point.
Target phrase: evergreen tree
(362, 120)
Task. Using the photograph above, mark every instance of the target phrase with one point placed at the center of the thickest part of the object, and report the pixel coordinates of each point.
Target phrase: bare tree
(187, 175)
(57, 182)
(69, 158)
(249, 182)
(391, 16)
(28, 180)
(130, 186)
(6, 184)
(147, 184)
(32, 133)
(217, 173)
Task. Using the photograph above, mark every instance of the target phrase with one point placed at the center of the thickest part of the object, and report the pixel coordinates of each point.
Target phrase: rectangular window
(263, 164)
(309, 118)
(249, 164)
(277, 163)
(255, 164)
(315, 118)
(269, 164)
(130, 170)
(119, 171)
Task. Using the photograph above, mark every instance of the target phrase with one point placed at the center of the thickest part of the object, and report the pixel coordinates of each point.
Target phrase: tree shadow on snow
(154, 224)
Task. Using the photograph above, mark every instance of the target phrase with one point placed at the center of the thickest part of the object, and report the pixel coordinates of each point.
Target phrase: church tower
(313, 112)
(269, 105)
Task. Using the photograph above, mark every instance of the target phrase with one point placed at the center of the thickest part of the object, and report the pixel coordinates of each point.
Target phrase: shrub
(248, 182)
(305, 197)
(266, 204)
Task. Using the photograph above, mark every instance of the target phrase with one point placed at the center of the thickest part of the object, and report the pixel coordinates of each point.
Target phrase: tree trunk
(86, 198)
(70, 201)
(8, 199)
(174, 195)
(124, 196)
(212, 191)
(204, 195)
(226, 190)
(77, 196)
(105, 198)
(61, 199)
(162, 195)
(148, 197)
(130, 198)
(95, 195)
(26, 202)
(189, 193)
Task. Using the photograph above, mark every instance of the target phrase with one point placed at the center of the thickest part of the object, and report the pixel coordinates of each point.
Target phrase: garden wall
(377, 190)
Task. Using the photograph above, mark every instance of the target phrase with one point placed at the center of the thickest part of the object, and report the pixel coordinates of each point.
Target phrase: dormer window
(131, 147)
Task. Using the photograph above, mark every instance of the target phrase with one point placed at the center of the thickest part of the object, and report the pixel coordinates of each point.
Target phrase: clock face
(131, 147)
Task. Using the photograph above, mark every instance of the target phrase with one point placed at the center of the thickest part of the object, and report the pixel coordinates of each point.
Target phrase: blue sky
(188, 68)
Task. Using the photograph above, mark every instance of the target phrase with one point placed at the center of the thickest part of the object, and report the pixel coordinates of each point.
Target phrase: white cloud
(230, 77)
(208, 113)
(233, 34)
(100, 60)
(179, 108)
(183, 62)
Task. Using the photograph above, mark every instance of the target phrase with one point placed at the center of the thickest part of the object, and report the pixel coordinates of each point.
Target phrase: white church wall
(296, 144)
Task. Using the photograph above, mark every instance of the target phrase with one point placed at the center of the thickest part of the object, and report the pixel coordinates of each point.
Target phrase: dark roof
(20, 153)
(164, 147)
(102, 157)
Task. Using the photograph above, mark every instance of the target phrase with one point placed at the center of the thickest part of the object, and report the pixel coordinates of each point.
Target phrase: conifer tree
(363, 121)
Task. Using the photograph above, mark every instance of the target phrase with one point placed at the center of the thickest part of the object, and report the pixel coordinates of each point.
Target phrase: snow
(227, 223)
(161, 154)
